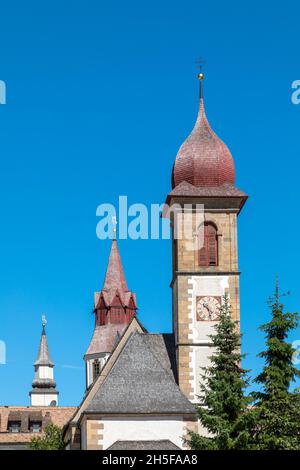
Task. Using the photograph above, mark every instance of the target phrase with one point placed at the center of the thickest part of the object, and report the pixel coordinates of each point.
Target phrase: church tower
(114, 308)
(43, 391)
(205, 265)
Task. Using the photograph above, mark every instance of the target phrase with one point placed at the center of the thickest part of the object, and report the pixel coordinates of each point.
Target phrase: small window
(208, 253)
(96, 366)
(14, 426)
(35, 426)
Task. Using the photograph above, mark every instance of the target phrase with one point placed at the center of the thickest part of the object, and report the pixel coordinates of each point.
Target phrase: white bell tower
(43, 391)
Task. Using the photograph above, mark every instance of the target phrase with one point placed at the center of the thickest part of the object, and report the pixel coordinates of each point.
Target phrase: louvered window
(96, 367)
(208, 253)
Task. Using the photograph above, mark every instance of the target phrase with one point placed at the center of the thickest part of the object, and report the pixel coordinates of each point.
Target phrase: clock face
(208, 308)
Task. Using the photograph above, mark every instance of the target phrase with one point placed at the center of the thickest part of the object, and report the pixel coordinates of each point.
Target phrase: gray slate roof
(144, 445)
(141, 381)
(163, 348)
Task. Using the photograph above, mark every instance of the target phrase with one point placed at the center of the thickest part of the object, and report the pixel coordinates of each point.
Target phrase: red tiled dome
(203, 159)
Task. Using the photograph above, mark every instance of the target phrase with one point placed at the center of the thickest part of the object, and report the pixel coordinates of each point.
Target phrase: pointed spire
(43, 357)
(115, 277)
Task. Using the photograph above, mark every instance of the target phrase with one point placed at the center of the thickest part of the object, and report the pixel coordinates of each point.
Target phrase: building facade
(145, 391)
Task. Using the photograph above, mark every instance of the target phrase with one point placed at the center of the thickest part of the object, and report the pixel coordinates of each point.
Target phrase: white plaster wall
(202, 359)
(45, 372)
(199, 356)
(200, 286)
(142, 429)
(43, 399)
(89, 372)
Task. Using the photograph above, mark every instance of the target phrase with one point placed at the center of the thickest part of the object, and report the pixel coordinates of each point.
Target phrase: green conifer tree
(277, 408)
(223, 407)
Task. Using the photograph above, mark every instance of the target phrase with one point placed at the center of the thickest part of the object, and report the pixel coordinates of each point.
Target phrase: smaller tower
(115, 306)
(43, 391)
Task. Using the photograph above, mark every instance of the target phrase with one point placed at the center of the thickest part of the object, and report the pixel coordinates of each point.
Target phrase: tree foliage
(51, 440)
(277, 407)
(223, 405)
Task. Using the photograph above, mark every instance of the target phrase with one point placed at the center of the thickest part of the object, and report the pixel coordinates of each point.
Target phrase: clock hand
(205, 304)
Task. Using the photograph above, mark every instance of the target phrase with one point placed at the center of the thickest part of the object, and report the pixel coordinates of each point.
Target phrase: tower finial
(114, 223)
(44, 322)
(200, 78)
(200, 62)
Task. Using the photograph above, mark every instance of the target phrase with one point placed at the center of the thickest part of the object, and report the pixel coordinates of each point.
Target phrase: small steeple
(43, 391)
(115, 306)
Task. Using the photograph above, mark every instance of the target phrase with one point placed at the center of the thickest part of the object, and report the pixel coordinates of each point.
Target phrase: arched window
(208, 252)
(96, 367)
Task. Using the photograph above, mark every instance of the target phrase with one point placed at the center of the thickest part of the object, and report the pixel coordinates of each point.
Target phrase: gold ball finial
(200, 76)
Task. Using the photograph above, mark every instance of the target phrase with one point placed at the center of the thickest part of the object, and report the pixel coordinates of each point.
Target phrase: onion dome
(203, 159)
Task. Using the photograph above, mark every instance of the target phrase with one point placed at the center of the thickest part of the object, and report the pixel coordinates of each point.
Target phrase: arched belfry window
(208, 251)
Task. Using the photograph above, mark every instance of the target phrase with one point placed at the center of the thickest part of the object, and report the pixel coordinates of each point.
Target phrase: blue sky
(100, 95)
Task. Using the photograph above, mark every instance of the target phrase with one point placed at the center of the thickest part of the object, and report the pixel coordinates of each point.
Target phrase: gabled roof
(167, 363)
(138, 383)
(133, 326)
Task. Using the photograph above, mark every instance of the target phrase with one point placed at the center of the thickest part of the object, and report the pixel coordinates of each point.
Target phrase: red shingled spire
(114, 277)
(203, 159)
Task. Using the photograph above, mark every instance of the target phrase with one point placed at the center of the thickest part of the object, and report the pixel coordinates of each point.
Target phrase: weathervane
(44, 322)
